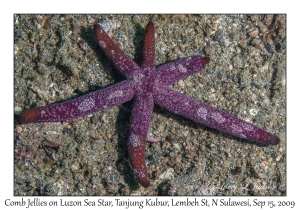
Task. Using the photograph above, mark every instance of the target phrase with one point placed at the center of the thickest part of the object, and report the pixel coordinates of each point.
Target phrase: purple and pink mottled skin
(147, 85)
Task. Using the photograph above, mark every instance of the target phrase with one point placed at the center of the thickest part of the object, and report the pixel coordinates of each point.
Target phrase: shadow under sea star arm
(210, 116)
(140, 121)
(171, 72)
(86, 104)
(120, 59)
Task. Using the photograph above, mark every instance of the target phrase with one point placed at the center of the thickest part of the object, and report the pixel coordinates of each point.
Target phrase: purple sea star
(147, 85)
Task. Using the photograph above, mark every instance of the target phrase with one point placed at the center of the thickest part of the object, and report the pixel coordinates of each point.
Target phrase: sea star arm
(210, 116)
(172, 72)
(140, 121)
(86, 104)
(149, 48)
(120, 59)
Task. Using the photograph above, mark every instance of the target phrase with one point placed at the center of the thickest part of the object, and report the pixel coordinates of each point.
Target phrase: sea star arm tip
(205, 60)
(29, 116)
(136, 148)
(274, 139)
(266, 137)
(149, 48)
